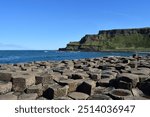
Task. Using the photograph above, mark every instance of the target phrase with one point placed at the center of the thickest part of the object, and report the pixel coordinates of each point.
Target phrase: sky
(51, 24)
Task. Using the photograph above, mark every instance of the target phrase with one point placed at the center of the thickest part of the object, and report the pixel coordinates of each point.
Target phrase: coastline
(123, 78)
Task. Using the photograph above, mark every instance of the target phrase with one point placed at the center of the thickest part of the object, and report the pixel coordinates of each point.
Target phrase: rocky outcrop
(116, 40)
(104, 78)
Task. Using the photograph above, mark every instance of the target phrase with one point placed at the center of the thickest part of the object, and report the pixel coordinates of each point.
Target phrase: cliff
(115, 40)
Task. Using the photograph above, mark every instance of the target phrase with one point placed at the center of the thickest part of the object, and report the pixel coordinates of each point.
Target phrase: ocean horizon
(24, 56)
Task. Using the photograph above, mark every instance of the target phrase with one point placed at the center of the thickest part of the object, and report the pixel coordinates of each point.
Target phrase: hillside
(113, 40)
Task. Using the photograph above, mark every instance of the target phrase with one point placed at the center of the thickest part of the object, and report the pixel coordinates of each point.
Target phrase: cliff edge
(113, 40)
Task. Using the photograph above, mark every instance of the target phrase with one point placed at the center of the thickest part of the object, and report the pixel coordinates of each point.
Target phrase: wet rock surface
(107, 78)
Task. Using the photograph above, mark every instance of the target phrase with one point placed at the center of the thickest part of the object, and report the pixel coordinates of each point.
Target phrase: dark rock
(120, 94)
(145, 87)
(55, 91)
(86, 87)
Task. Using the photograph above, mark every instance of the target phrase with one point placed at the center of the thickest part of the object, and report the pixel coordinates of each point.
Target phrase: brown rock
(5, 87)
(31, 96)
(8, 97)
(55, 91)
(35, 89)
(22, 81)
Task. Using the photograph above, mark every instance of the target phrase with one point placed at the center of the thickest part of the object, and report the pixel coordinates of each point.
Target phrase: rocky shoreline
(107, 78)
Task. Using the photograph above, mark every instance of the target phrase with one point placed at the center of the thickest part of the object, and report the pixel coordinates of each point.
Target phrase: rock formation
(107, 78)
(115, 40)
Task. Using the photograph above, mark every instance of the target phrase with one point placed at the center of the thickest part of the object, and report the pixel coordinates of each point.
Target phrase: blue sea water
(22, 56)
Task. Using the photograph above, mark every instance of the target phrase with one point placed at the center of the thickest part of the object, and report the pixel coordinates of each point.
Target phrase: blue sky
(50, 24)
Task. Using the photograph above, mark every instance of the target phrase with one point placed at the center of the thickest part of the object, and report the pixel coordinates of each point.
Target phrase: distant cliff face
(119, 39)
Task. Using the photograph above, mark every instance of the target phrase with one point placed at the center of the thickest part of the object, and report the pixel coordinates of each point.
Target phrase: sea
(24, 56)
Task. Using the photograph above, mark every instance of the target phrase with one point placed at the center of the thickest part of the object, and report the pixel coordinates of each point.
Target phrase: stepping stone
(22, 81)
(129, 78)
(35, 89)
(63, 98)
(71, 83)
(5, 76)
(8, 97)
(99, 97)
(44, 79)
(145, 87)
(120, 94)
(78, 96)
(79, 76)
(31, 96)
(86, 87)
(5, 87)
(55, 91)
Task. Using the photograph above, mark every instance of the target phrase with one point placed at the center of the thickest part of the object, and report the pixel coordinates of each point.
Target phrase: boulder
(22, 81)
(43, 79)
(86, 87)
(99, 97)
(35, 89)
(71, 83)
(129, 78)
(120, 94)
(79, 75)
(55, 91)
(8, 97)
(145, 87)
(31, 96)
(78, 96)
(5, 87)
(5, 76)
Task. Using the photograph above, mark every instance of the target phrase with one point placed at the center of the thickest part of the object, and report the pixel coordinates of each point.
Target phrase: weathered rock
(129, 78)
(35, 89)
(78, 96)
(71, 83)
(99, 97)
(104, 82)
(120, 94)
(63, 98)
(8, 97)
(102, 90)
(43, 79)
(145, 87)
(55, 91)
(141, 71)
(86, 87)
(31, 96)
(22, 81)
(41, 98)
(5, 87)
(95, 76)
(5, 76)
(79, 75)
(136, 92)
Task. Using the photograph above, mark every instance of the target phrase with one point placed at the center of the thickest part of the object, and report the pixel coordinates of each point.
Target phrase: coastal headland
(106, 78)
(135, 39)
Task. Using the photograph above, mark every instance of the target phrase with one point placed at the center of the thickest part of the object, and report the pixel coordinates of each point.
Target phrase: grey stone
(129, 78)
(87, 87)
(78, 96)
(55, 91)
(120, 94)
(5, 87)
(23, 81)
(5, 76)
(99, 97)
(8, 97)
(31, 96)
(35, 89)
